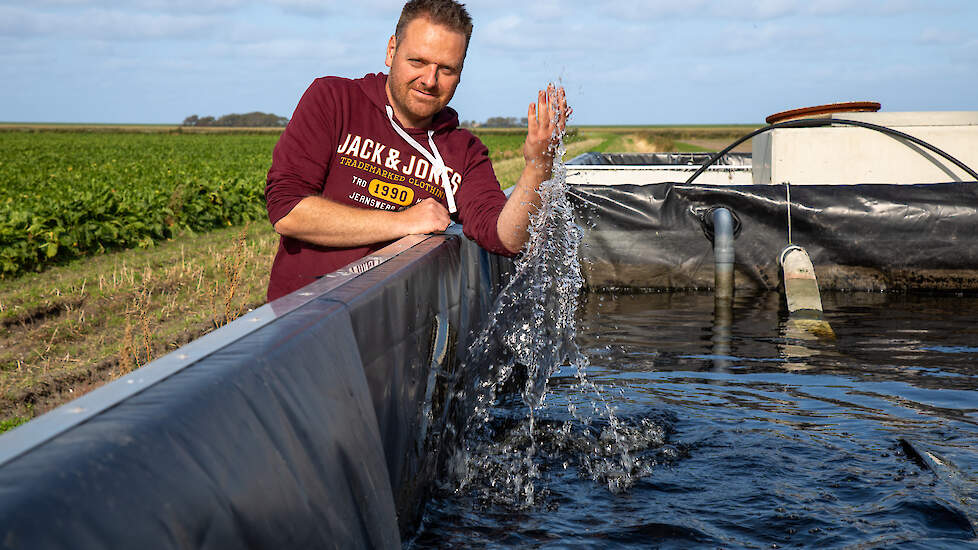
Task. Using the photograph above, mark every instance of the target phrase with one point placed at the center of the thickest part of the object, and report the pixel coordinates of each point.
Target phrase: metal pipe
(723, 252)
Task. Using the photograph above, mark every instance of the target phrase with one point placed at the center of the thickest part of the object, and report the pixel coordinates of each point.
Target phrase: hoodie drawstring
(434, 157)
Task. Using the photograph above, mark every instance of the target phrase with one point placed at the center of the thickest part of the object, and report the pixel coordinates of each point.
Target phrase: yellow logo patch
(391, 192)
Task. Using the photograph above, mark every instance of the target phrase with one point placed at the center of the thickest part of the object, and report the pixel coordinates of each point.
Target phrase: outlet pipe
(723, 253)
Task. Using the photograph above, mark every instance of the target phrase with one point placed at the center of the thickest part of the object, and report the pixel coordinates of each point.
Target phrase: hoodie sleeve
(480, 200)
(302, 153)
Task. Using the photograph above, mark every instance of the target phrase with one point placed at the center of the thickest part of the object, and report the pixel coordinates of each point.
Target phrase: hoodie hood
(374, 86)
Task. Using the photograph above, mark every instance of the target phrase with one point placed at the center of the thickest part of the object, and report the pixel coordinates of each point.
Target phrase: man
(367, 161)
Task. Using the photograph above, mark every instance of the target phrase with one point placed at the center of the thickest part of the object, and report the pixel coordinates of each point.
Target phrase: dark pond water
(749, 431)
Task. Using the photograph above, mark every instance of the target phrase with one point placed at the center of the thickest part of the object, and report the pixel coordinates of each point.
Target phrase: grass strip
(75, 326)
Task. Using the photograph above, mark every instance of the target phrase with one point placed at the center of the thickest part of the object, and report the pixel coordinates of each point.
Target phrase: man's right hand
(427, 216)
(321, 221)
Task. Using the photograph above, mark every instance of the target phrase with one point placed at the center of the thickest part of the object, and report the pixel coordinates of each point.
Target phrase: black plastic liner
(859, 237)
(413, 325)
(269, 443)
(320, 429)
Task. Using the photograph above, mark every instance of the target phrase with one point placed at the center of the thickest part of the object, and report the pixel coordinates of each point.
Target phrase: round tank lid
(821, 110)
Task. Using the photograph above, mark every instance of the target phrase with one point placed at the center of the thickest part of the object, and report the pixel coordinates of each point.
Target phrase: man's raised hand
(546, 120)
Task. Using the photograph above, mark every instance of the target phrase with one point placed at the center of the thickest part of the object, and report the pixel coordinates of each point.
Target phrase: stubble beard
(403, 93)
(414, 106)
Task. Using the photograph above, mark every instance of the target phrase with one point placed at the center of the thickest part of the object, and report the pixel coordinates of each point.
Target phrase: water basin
(755, 435)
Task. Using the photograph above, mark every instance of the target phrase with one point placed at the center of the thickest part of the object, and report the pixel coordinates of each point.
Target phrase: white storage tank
(841, 155)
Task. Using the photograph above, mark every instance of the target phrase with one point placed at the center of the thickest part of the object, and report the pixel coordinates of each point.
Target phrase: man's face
(426, 66)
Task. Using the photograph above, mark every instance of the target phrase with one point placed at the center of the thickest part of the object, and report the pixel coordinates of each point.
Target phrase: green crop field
(72, 194)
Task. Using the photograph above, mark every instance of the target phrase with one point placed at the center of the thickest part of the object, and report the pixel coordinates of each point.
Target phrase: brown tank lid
(818, 110)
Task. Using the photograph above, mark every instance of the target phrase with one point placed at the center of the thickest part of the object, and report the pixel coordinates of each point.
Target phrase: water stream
(529, 337)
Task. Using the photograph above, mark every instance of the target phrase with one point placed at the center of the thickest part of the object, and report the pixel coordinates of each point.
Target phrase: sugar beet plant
(66, 195)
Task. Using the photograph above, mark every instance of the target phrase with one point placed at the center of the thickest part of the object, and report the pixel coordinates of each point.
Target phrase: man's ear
(391, 46)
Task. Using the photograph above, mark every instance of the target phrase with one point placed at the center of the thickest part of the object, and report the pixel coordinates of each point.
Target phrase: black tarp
(269, 443)
(859, 237)
(442, 284)
(320, 429)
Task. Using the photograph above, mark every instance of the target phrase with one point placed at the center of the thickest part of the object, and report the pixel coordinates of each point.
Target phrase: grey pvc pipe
(723, 252)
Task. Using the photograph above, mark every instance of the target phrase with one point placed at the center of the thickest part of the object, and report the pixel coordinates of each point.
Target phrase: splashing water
(530, 336)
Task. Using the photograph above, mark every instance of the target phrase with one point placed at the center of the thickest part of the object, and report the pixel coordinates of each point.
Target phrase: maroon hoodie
(340, 145)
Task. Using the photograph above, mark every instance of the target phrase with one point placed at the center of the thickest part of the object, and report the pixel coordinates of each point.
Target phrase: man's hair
(443, 12)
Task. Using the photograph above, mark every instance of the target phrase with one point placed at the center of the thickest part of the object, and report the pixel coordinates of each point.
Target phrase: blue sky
(627, 62)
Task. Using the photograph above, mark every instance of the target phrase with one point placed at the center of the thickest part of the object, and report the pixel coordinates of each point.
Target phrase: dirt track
(718, 144)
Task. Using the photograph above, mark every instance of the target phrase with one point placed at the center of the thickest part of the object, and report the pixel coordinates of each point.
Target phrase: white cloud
(98, 23)
(308, 7)
(23, 56)
(55, 2)
(956, 45)
(533, 36)
(772, 38)
(505, 32)
(872, 8)
(19, 22)
(318, 8)
(705, 10)
(771, 9)
(942, 36)
(108, 24)
(286, 48)
(168, 6)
